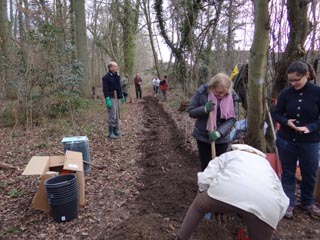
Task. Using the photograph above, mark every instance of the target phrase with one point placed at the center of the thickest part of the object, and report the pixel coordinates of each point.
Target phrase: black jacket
(302, 105)
(110, 82)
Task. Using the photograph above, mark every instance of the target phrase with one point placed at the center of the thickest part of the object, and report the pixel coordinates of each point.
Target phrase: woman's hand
(302, 129)
(291, 124)
(299, 129)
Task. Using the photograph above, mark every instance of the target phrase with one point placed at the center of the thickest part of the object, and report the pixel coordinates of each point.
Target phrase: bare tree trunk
(60, 23)
(4, 29)
(300, 28)
(72, 26)
(128, 15)
(146, 10)
(82, 51)
(257, 73)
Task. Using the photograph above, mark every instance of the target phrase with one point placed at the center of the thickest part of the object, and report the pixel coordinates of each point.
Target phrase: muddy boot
(117, 132)
(111, 133)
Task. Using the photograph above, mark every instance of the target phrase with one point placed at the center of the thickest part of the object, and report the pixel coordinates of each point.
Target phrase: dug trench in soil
(169, 185)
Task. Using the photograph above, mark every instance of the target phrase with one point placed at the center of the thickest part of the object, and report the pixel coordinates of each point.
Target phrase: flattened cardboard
(40, 201)
(81, 191)
(38, 165)
(56, 161)
(73, 161)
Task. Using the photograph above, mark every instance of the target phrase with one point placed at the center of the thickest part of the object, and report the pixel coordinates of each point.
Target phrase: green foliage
(7, 117)
(10, 230)
(203, 73)
(49, 77)
(13, 193)
(3, 185)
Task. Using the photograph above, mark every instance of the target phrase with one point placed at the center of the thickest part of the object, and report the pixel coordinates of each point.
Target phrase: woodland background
(54, 53)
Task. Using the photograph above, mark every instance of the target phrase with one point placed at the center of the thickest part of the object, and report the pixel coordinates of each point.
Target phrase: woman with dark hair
(298, 113)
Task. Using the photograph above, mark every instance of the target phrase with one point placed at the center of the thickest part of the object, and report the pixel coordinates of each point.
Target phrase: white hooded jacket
(245, 179)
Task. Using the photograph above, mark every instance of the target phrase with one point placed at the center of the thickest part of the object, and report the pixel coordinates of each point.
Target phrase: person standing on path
(155, 84)
(298, 113)
(111, 83)
(125, 87)
(137, 84)
(217, 97)
(164, 87)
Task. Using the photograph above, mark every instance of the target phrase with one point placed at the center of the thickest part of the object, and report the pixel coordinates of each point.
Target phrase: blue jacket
(110, 82)
(302, 105)
(196, 110)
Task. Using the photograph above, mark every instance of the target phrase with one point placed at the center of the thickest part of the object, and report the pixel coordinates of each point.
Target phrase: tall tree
(300, 27)
(187, 13)
(129, 17)
(257, 74)
(4, 33)
(81, 42)
(146, 10)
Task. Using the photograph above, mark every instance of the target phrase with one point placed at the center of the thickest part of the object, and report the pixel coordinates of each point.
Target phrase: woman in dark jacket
(298, 113)
(216, 96)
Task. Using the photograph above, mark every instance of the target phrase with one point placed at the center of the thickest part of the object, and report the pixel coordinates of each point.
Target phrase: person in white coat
(243, 182)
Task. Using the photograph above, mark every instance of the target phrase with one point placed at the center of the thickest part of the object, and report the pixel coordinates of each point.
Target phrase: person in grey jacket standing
(215, 96)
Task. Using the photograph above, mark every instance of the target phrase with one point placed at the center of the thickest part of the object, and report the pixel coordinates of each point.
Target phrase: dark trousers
(202, 204)
(156, 89)
(138, 92)
(308, 156)
(205, 153)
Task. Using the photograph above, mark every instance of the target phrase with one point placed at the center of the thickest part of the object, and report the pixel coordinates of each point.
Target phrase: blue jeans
(308, 154)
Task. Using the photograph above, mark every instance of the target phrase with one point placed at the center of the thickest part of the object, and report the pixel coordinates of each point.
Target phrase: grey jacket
(196, 110)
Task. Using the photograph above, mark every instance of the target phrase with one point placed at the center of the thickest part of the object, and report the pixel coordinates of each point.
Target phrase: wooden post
(213, 145)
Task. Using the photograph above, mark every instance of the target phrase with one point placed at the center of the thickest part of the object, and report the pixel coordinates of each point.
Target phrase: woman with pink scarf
(217, 97)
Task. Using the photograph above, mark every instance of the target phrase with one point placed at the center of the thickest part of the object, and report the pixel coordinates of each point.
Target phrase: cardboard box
(48, 166)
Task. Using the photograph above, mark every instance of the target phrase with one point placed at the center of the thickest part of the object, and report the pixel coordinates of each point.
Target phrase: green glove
(214, 135)
(108, 102)
(123, 100)
(208, 107)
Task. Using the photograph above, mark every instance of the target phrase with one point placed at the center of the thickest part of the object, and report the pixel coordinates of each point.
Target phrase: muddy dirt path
(169, 186)
(169, 183)
(143, 191)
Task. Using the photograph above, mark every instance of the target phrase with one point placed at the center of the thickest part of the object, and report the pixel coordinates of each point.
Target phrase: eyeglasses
(294, 80)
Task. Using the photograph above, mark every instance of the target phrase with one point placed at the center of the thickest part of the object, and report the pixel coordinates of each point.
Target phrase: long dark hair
(302, 68)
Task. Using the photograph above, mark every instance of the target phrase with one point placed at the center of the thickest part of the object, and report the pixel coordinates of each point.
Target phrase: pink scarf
(226, 109)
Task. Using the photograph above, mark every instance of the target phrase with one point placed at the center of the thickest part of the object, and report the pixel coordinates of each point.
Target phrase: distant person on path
(164, 87)
(239, 182)
(137, 84)
(155, 84)
(110, 83)
(125, 87)
(298, 113)
(217, 97)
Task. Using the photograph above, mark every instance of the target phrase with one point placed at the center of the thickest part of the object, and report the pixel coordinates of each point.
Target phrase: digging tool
(118, 115)
(94, 165)
(274, 137)
(213, 146)
(213, 155)
(90, 163)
